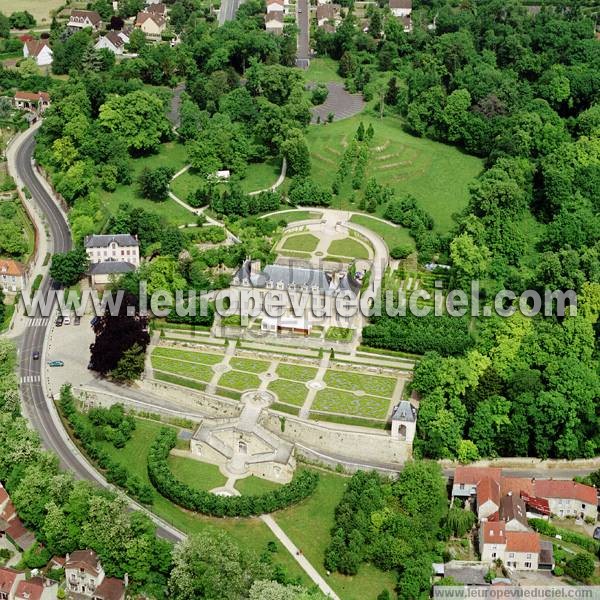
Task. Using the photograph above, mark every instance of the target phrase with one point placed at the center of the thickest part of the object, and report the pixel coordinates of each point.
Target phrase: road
(228, 10)
(31, 373)
(303, 21)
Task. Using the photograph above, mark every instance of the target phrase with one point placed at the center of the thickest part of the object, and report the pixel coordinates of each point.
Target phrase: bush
(401, 251)
(319, 94)
(558, 571)
(581, 566)
(302, 486)
(545, 528)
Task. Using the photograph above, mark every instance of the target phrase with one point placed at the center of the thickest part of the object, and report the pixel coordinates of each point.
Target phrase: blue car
(56, 363)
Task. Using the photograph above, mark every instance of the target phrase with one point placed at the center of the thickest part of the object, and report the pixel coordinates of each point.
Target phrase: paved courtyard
(339, 102)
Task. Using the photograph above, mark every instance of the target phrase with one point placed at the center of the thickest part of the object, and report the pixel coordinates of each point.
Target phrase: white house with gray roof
(111, 255)
(404, 421)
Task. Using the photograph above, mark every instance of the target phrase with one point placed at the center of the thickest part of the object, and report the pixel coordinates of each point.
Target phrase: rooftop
(30, 589)
(405, 411)
(522, 541)
(110, 589)
(493, 532)
(83, 559)
(109, 267)
(103, 241)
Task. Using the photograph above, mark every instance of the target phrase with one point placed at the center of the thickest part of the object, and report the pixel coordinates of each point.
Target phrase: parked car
(59, 321)
(77, 320)
(67, 320)
(56, 363)
(597, 533)
(94, 321)
(35, 355)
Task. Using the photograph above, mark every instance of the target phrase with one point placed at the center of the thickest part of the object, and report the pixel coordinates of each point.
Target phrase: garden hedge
(545, 528)
(302, 486)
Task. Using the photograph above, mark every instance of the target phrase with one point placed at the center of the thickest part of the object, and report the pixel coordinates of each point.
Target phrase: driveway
(339, 102)
(303, 22)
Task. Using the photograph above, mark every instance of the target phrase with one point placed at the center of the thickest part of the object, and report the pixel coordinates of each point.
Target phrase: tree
(130, 365)
(272, 590)
(401, 251)
(295, 150)
(4, 26)
(2, 308)
(22, 20)
(28, 68)
(137, 41)
(12, 241)
(154, 183)
(69, 267)
(581, 566)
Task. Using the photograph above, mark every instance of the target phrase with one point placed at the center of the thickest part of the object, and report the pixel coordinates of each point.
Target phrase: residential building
(84, 576)
(568, 498)
(111, 255)
(158, 8)
(519, 550)
(492, 540)
(9, 580)
(151, 24)
(37, 102)
(514, 513)
(274, 23)
(401, 8)
(111, 41)
(275, 6)
(39, 50)
(82, 19)
(466, 479)
(13, 275)
(36, 588)
(329, 14)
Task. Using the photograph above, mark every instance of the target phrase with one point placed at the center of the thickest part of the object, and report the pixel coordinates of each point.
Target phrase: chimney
(509, 494)
(254, 267)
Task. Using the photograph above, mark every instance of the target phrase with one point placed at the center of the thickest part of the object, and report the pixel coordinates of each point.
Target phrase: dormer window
(280, 285)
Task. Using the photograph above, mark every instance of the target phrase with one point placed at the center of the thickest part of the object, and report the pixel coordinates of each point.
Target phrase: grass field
(436, 174)
(252, 534)
(199, 475)
(290, 392)
(349, 248)
(187, 369)
(289, 216)
(393, 236)
(171, 155)
(323, 70)
(247, 364)
(296, 372)
(204, 358)
(239, 380)
(303, 242)
(373, 384)
(345, 402)
(40, 9)
(255, 486)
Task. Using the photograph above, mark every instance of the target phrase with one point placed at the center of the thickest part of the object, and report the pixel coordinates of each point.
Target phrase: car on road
(77, 320)
(67, 320)
(94, 321)
(56, 363)
(59, 321)
(35, 355)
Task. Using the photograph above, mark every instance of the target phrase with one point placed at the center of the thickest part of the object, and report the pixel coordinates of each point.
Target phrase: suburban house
(13, 275)
(11, 527)
(9, 580)
(329, 14)
(158, 8)
(111, 255)
(81, 19)
(112, 41)
(39, 50)
(85, 578)
(36, 588)
(401, 8)
(568, 498)
(275, 6)
(37, 102)
(151, 24)
(274, 22)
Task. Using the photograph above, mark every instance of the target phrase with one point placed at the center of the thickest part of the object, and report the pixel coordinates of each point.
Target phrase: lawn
(342, 334)
(290, 216)
(255, 486)
(170, 155)
(296, 372)
(349, 248)
(323, 70)
(290, 392)
(303, 242)
(187, 369)
(40, 9)
(199, 475)
(309, 523)
(239, 380)
(250, 365)
(392, 236)
(252, 534)
(345, 402)
(189, 355)
(437, 175)
(373, 384)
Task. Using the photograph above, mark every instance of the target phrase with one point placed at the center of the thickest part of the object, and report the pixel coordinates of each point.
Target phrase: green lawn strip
(249, 365)
(239, 380)
(348, 247)
(292, 254)
(286, 408)
(189, 355)
(341, 334)
(323, 70)
(289, 392)
(255, 486)
(303, 242)
(170, 378)
(345, 420)
(199, 475)
(290, 216)
(195, 371)
(393, 236)
(373, 384)
(347, 403)
(252, 534)
(296, 372)
(309, 523)
(437, 175)
(225, 393)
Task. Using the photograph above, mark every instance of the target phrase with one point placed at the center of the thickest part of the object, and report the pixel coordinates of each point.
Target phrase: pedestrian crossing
(31, 379)
(39, 322)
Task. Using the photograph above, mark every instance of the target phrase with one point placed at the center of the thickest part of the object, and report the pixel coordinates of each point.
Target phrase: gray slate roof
(405, 411)
(103, 241)
(109, 267)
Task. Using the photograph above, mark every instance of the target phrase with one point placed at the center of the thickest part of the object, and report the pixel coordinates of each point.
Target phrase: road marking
(39, 322)
(31, 379)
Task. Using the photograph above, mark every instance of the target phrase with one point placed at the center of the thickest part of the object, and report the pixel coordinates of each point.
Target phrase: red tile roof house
(37, 102)
(568, 498)
(85, 578)
(9, 579)
(10, 524)
(13, 275)
(36, 588)
(39, 50)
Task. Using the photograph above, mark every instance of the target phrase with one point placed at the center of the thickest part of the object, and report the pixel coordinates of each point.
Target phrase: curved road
(31, 371)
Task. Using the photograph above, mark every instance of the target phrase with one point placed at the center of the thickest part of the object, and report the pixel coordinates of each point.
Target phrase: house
(568, 498)
(37, 102)
(519, 550)
(39, 50)
(9, 580)
(404, 421)
(401, 8)
(466, 480)
(275, 6)
(274, 23)
(406, 24)
(487, 497)
(85, 577)
(36, 588)
(111, 41)
(82, 19)
(151, 24)
(328, 14)
(514, 513)
(111, 255)
(159, 8)
(13, 275)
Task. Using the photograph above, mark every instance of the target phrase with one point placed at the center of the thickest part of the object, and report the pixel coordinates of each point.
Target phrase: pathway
(279, 181)
(300, 558)
(317, 385)
(221, 368)
(174, 112)
(340, 103)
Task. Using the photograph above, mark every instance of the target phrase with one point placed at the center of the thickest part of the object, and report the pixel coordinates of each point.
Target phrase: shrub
(302, 486)
(319, 94)
(401, 251)
(581, 566)
(545, 528)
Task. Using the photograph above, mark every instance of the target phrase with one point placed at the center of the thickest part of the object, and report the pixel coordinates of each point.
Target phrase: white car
(67, 320)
